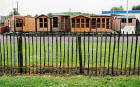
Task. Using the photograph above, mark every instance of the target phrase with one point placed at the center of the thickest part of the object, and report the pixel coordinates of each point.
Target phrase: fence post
(80, 53)
(20, 56)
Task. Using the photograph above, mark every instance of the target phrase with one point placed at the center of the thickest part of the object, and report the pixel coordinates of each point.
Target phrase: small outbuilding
(80, 23)
(119, 22)
(60, 22)
(14, 23)
(43, 23)
(101, 23)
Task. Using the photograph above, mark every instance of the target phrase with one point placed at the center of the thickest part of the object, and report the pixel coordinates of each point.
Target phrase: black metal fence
(70, 53)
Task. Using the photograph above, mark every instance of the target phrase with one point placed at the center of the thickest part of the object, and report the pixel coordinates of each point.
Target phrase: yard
(74, 81)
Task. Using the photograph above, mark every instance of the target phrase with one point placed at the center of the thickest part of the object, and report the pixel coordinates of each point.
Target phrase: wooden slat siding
(29, 24)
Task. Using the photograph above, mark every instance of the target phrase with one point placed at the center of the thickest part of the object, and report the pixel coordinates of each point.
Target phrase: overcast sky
(46, 6)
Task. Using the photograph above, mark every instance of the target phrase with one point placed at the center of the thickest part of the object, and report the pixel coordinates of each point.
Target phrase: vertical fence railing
(71, 53)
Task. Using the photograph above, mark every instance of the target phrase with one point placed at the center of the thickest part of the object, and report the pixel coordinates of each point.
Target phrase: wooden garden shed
(60, 22)
(29, 24)
(16, 25)
(43, 23)
(80, 24)
(101, 23)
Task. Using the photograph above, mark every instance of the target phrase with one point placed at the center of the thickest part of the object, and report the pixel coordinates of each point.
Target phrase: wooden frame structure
(61, 22)
(43, 23)
(101, 23)
(80, 24)
(17, 26)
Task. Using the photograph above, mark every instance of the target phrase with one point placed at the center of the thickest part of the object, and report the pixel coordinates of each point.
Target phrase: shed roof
(42, 15)
(80, 16)
(124, 16)
(60, 14)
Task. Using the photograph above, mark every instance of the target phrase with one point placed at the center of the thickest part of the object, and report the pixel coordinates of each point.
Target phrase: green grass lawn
(58, 55)
(74, 81)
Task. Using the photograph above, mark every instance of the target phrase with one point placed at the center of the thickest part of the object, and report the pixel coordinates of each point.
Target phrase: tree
(50, 14)
(136, 7)
(36, 15)
(117, 8)
(29, 15)
(14, 11)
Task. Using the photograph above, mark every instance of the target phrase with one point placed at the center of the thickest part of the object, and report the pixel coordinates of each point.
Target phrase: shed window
(103, 20)
(45, 25)
(130, 20)
(41, 19)
(93, 23)
(19, 23)
(41, 25)
(87, 23)
(107, 24)
(98, 22)
(78, 20)
(82, 21)
(45, 20)
(73, 23)
(55, 22)
(124, 20)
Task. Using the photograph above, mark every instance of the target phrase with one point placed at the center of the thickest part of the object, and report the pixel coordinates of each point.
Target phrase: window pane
(82, 26)
(78, 20)
(55, 22)
(87, 25)
(123, 20)
(98, 20)
(78, 25)
(82, 20)
(130, 20)
(73, 20)
(41, 19)
(45, 25)
(103, 20)
(45, 20)
(41, 25)
(87, 20)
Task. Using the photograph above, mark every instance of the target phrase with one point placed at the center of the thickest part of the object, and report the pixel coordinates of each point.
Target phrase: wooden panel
(29, 24)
